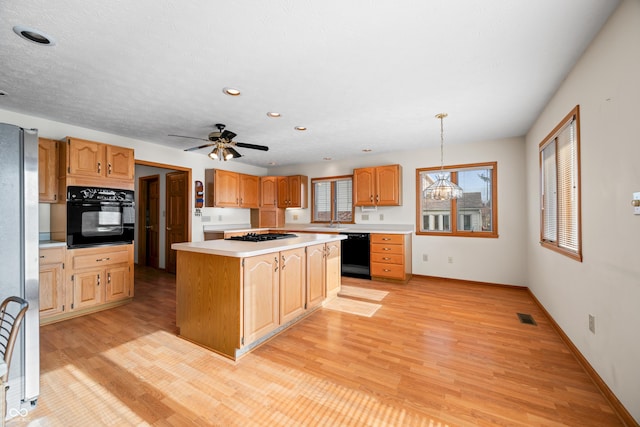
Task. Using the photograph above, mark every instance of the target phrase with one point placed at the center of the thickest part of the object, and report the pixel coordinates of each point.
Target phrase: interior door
(177, 215)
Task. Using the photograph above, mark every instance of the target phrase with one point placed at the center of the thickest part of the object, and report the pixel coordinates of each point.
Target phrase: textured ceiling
(358, 74)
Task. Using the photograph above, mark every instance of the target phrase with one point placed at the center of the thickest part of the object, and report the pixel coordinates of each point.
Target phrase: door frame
(189, 194)
(143, 188)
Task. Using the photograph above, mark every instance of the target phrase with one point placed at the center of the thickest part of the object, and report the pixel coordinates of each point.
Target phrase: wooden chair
(12, 311)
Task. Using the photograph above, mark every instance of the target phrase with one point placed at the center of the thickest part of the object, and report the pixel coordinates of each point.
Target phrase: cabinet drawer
(393, 271)
(386, 248)
(51, 255)
(99, 259)
(396, 239)
(387, 258)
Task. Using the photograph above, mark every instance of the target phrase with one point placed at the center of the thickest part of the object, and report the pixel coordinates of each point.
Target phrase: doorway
(149, 221)
(162, 192)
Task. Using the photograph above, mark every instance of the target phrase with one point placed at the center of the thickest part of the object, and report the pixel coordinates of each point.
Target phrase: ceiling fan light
(214, 154)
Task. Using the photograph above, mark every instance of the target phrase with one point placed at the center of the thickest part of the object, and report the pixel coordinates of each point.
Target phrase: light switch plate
(636, 209)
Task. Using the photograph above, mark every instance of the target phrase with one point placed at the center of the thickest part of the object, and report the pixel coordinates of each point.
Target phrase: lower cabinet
(323, 272)
(94, 279)
(391, 256)
(261, 295)
(52, 289)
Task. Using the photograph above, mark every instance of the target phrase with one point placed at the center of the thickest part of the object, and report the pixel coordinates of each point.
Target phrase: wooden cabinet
(226, 189)
(316, 275)
(47, 170)
(261, 295)
(334, 269)
(52, 291)
(98, 277)
(293, 191)
(84, 162)
(391, 256)
(377, 186)
(269, 192)
(292, 284)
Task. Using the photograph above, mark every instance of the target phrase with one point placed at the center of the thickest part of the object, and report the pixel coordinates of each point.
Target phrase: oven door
(95, 223)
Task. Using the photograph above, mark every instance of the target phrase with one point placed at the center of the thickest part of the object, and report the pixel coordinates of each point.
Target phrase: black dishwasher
(355, 255)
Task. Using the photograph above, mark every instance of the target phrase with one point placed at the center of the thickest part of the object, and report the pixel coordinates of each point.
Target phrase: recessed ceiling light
(3, 93)
(327, 158)
(33, 35)
(367, 150)
(300, 128)
(231, 91)
(273, 114)
(272, 163)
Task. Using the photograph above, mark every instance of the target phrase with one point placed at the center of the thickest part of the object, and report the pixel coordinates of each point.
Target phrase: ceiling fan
(222, 142)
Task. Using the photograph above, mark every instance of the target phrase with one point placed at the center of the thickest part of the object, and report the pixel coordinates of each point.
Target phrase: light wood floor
(437, 353)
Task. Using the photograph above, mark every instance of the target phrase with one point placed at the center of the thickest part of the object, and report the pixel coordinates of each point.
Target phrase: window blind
(549, 198)
(567, 189)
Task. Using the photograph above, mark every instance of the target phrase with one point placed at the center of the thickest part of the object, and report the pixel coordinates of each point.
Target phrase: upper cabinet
(377, 186)
(47, 170)
(293, 191)
(96, 161)
(226, 189)
(268, 191)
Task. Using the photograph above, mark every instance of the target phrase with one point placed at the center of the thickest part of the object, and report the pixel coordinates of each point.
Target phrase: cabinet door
(51, 290)
(388, 185)
(363, 187)
(120, 162)
(333, 268)
(86, 158)
(292, 284)
(249, 191)
(226, 189)
(87, 288)
(268, 192)
(261, 295)
(118, 283)
(47, 170)
(284, 199)
(316, 277)
(298, 196)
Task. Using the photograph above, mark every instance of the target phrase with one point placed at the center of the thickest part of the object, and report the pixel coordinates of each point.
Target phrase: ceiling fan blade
(189, 137)
(228, 135)
(234, 152)
(252, 146)
(199, 147)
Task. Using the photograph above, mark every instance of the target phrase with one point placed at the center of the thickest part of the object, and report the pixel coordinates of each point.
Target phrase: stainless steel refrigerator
(19, 258)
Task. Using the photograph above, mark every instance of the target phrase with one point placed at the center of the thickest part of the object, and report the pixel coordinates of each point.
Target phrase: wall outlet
(295, 217)
(365, 217)
(592, 324)
(206, 219)
(381, 217)
(450, 260)
(219, 217)
(425, 257)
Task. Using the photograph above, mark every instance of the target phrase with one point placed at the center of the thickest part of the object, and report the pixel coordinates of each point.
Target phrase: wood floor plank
(437, 353)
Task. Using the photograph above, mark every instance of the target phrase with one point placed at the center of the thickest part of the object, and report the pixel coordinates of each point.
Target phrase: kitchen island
(232, 295)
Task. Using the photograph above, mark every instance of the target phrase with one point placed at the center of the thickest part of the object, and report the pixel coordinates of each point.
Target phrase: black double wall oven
(99, 216)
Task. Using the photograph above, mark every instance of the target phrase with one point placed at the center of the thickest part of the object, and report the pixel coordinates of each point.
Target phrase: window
(332, 199)
(560, 227)
(475, 214)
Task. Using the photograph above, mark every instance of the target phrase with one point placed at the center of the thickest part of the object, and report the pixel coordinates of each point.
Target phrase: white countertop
(43, 244)
(240, 249)
(320, 228)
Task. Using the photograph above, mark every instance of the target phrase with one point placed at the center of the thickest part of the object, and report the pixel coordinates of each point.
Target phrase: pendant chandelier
(442, 188)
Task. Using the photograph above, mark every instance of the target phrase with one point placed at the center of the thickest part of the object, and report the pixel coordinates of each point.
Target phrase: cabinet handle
(41, 256)
(99, 167)
(103, 259)
(386, 249)
(98, 280)
(386, 258)
(386, 238)
(109, 168)
(108, 277)
(283, 262)
(386, 270)
(276, 261)
(377, 198)
(371, 198)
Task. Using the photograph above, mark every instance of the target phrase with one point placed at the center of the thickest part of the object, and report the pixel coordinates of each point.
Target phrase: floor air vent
(526, 318)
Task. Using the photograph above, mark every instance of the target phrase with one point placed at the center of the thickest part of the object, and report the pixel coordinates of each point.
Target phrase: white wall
(606, 85)
(500, 260)
(143, 151)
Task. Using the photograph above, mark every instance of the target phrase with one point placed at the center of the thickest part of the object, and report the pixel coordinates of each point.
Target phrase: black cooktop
(253, 237)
